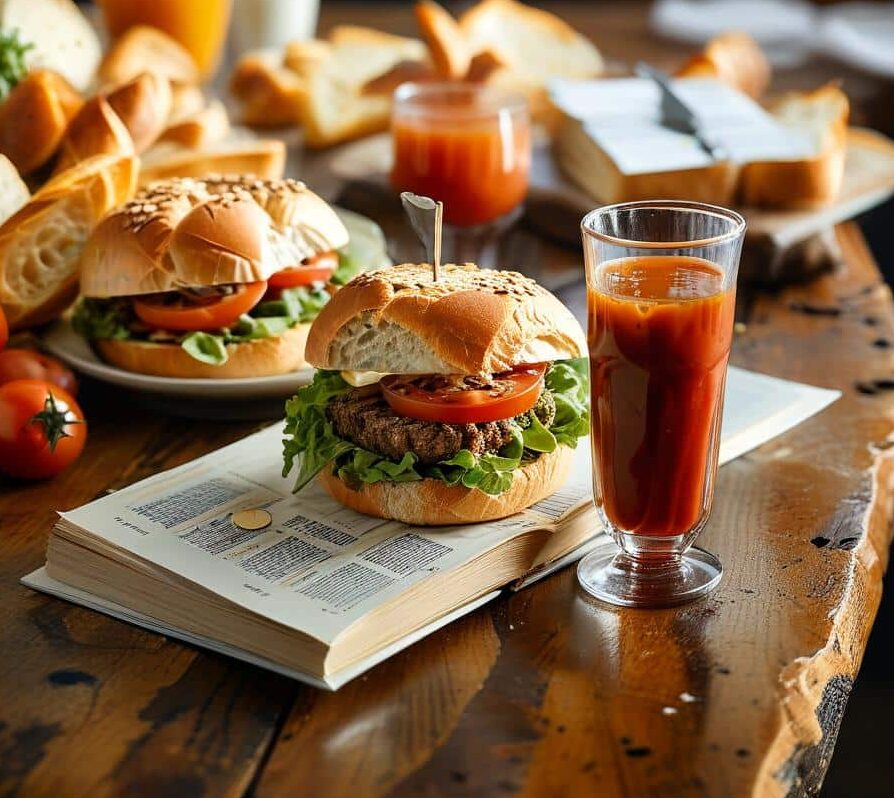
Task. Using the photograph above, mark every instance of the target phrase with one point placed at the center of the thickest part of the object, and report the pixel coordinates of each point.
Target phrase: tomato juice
(659, 340)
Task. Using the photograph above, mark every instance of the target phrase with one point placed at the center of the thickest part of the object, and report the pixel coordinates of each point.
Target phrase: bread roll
(471, 321)
(269, 94)
(190, 232)
(206, 126)
(143, 48)
(34, 117)
(431, 502)
(41, 243)
(144, 105)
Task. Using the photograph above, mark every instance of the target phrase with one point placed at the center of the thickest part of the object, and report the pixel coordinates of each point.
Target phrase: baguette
(734, 58)
(142, 48)
(96, 130)
(34, 117)
(13, 191)
(264, 158)
(809, 182)
(40, 244)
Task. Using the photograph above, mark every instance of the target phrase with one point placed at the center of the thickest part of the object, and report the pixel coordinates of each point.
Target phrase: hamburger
(440, 402)
(214, 278)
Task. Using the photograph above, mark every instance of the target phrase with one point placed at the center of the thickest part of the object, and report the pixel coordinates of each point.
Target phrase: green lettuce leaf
(205, 348)
(310, 443)
(102, 319)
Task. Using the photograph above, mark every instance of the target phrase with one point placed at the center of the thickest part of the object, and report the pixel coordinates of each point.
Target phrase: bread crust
(40, 244)
(431, 502)
(141, 48)
(265, 357)
(95, 130)
(144, 106)
(262, 158)
(471, 321)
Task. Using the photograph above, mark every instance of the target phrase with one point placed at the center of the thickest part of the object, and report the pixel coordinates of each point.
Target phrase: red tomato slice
(4, 330)
(311, 270)
(208, 314)
(464, 400)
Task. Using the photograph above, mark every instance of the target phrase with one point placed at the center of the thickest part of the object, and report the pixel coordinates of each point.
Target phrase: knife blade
(675, 114)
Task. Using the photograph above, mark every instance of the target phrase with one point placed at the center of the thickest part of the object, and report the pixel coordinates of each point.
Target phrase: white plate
(367, 245)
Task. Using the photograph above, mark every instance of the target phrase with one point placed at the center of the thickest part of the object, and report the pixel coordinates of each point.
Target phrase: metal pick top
(427, 218)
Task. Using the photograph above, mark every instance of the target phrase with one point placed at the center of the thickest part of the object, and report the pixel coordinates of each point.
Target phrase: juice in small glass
(199, 25)
(661, 281)
(466, 145)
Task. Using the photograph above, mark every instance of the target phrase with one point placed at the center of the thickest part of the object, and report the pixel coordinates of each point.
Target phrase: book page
(319, 567)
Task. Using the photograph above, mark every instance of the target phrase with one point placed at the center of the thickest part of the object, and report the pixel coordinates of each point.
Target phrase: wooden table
(541, 693)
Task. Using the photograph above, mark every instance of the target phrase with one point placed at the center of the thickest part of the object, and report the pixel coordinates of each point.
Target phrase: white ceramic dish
(367, 245)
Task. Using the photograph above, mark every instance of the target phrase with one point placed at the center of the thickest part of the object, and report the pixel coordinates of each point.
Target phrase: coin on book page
(252, 519)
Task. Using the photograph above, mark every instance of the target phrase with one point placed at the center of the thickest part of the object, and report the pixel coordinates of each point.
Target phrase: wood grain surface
(541, 693)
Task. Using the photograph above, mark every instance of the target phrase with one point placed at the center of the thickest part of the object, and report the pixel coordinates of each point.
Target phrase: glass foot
(612, 576)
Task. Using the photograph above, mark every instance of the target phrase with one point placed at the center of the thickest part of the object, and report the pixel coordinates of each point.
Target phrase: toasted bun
(262, 358)
(399, 320)
(226, 229)
(430, 502)
(40, 244)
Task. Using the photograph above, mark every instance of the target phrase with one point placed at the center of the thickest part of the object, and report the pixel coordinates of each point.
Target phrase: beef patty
(363, 417)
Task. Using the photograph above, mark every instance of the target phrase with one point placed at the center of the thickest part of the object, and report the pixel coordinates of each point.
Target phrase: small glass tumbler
(469, 146)
(661, 285)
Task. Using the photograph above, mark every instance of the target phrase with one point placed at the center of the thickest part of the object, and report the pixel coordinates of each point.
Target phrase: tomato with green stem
(42, 429)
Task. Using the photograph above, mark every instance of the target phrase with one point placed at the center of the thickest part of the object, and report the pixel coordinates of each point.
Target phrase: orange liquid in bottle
(477, 167)
(660, 335)
(199, 25)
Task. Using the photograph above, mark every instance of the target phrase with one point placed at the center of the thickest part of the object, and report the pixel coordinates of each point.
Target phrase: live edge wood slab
(541, 693)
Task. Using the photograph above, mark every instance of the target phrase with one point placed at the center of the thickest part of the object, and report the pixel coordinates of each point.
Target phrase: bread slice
(41, 243)
(595, 171)
(736, 59)
(448, 44)
(13, 191)
(269, 94)
(259, 157)
(807, 182)
(143, 48)
(62, 37)
(335, 107)
(535, 46)
(34, 117)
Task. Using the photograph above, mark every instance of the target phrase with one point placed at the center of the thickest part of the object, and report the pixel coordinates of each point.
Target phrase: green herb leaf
(205, 347)
(12, 60)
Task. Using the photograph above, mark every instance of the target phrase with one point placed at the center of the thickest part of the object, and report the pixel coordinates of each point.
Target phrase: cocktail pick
(427, 218)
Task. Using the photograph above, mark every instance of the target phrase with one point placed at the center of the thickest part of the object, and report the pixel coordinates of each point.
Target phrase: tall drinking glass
(661, 282)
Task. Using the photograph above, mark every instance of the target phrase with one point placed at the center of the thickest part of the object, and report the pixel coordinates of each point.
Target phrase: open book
(324, 593)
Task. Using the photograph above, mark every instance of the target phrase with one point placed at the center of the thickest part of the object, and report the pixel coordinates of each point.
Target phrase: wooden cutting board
(781, 246)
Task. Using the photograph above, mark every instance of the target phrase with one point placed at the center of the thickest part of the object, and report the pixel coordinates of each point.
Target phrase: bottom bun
(431, 502)
(262, 358)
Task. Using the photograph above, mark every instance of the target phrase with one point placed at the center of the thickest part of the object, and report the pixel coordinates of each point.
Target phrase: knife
(675, 114)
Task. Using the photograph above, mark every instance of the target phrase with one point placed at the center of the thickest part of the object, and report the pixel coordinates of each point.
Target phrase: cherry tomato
(42, 429)
(4, 330)
(201, 314)
(26, 364)
(464, 400)
(311, 270)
